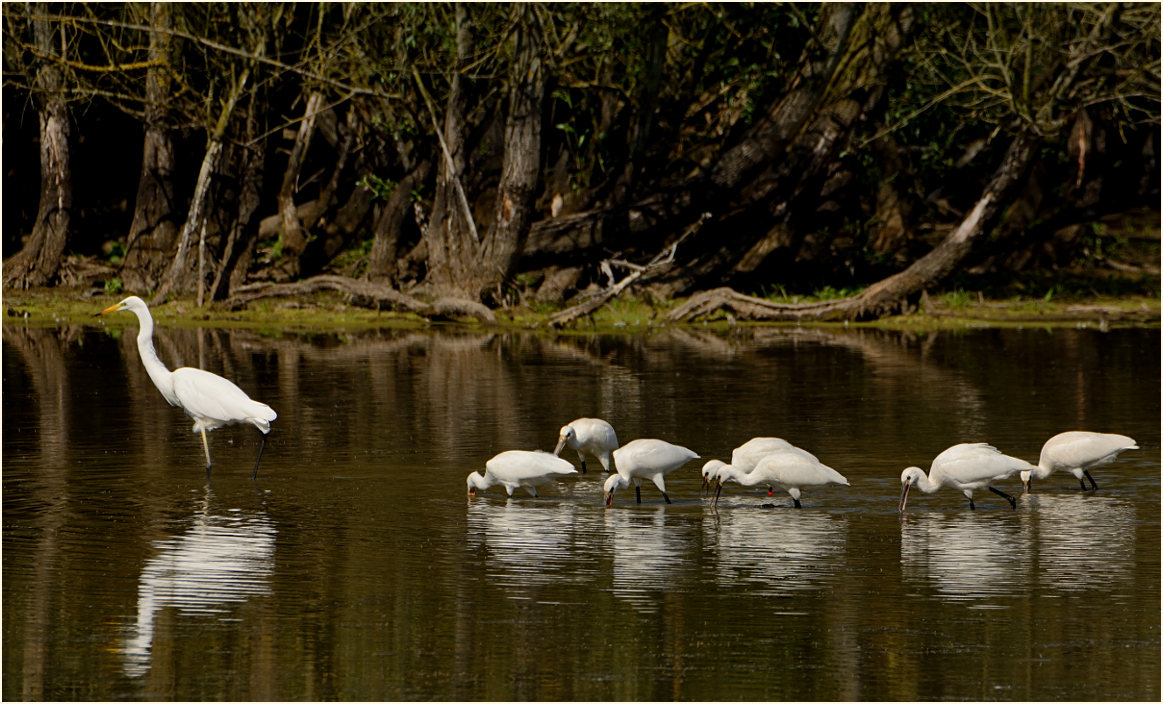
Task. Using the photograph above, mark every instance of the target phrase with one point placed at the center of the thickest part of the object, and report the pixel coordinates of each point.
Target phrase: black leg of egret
(583, 465)
(262, 445)
(797, 502)
(1093, 486)
(1007, 497)
(666, 497)
(638, 493)
(971, 506)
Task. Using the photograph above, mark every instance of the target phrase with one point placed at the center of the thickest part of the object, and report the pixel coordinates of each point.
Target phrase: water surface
(356, 568)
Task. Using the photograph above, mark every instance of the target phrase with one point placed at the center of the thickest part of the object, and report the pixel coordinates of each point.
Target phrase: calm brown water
(355, 568)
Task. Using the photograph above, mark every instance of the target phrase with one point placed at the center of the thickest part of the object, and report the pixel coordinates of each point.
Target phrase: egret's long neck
(161, 376)
(927, 484)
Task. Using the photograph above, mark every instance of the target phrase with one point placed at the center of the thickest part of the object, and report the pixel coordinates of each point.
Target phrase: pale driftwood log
(363, 294)
(638, 272)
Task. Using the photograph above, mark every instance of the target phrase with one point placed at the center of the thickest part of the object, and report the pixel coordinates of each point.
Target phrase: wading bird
(967, 467)
(645, 459)
(589, 435)
(513, 469)
(747, 456)
(209, 399)
(790, 469)
(1077, 451)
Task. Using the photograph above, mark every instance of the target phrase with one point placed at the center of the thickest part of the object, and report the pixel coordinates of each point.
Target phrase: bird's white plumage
(745, 457)
(1078, 451)
(209, 399)
(967, 467)
(592, 436)
(514, 469)
(790, 469)
(646, 458)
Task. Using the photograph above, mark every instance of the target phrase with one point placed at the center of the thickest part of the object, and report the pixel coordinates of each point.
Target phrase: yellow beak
(111, 309)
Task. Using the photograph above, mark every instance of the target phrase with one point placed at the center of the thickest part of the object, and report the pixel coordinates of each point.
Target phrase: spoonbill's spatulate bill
(515, 469)
(645, 459)
(209, 399)
(791, 469)
(1077, 452)
(968, 466)
(592, 436)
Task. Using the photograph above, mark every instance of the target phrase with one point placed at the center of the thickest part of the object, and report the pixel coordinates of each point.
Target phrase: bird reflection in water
(797, 552)
(651, 553)
(964, 557)
(220, 561)
(529, 545)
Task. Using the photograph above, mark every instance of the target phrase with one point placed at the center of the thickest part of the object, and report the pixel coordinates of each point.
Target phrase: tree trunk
(390, 224)
(517, 192)
(451, 240)
(39, 261)
(236, 255)
(887, 294)
(180, 273)
(154, 229)
(293, 237)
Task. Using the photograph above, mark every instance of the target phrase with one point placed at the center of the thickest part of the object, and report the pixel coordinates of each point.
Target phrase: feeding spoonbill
(967, 467)
(1076, 451)
(645, 459)
(209, 399)
(592, 435)
(520, 468)
(790, 469)
(747, 456)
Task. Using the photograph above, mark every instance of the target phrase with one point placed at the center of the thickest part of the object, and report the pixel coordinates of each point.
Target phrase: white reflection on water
(650, 554)
(529, 544)
(1083, 541)
(221, 560)
(966, 555)
(778, 550)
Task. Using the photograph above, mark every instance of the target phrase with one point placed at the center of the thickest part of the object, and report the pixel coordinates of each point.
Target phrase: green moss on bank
(328, 311)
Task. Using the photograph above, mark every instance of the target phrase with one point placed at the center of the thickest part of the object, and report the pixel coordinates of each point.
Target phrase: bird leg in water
(638, 493)
(1007, 497)
(262, 445)
(206, 446)
(666, 497)
(583, 459)
(797, 502)
(1092, 484)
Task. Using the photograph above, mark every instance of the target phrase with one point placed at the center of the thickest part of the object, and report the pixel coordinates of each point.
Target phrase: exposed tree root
(364, 294)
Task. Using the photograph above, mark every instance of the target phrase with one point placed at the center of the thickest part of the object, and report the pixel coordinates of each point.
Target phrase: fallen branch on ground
(363, 294)
(659, 263)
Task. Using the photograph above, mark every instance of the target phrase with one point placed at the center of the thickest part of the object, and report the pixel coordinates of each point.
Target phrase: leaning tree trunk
(154, 229)
(390, 224)
(887, 294)
(39, 262)
(236, 255)
(293, 236)
(451, 239)
(180, 272)
(517, 190)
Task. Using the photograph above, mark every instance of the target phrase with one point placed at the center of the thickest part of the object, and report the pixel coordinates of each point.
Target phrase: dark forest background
(492, 154)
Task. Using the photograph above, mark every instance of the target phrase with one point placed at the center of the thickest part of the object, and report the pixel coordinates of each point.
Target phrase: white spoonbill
(790, 469)
(1076, 451)
(967, 467)
(589, 435)
(209, 399)
(520, 468)
(645, 459)
(747, 456)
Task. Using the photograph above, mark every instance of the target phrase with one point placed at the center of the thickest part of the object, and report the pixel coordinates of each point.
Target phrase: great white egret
(1076, 451)
(209, 399)
(645, 459)
(520, 468)
(588, 435)
(967, 467)
(791, 469)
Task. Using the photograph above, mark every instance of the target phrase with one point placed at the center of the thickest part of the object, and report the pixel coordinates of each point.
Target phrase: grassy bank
(329, 311)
